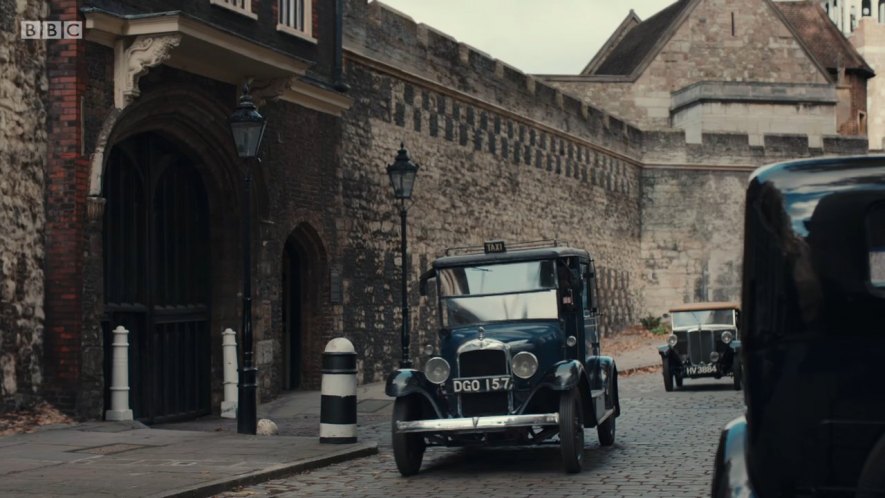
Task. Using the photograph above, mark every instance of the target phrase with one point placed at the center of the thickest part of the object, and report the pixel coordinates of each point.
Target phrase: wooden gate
(156, 276)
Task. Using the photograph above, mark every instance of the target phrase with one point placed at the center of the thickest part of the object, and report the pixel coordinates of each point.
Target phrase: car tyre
(737, 372)
(408, 449)
(606, 430)
(571, 430)
(679, 379)
(668, 377)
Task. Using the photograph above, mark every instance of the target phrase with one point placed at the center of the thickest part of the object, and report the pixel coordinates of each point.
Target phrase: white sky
(537, 37)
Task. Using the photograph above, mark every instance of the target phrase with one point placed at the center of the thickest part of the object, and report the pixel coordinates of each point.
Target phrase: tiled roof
(824, 40)
(639, 41)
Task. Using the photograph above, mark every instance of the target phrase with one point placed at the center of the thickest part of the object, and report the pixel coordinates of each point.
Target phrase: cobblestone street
(664, 447)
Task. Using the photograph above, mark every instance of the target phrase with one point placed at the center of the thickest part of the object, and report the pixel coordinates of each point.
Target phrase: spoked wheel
(571, 430)
(668, 377)
(408, 449)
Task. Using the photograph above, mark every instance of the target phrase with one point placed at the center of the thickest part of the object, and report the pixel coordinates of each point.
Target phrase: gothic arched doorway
(304, 265)
(156, 275)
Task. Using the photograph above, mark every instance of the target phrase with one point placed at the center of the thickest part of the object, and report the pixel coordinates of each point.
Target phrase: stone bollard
(120, 377)
(229, 354)
(338, 403)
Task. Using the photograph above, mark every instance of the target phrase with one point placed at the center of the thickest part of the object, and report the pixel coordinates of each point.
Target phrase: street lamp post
(402, 177)
(247, 128)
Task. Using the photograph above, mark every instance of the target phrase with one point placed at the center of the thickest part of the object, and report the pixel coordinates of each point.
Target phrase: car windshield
(683, 319)
(508, 291)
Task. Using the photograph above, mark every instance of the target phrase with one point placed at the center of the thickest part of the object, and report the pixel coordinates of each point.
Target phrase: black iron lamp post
(247, 128)
(402, 177)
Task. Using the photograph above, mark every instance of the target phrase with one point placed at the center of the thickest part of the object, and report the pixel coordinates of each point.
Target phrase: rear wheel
(571, 430)
(737, 372)
(606, 431)
(668, 377)
(408, 449)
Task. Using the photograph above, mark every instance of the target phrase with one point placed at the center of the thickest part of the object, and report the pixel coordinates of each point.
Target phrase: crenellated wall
(23, 86)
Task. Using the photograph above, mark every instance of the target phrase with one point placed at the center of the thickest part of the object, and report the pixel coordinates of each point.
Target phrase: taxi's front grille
(483, 363)
(477, 405)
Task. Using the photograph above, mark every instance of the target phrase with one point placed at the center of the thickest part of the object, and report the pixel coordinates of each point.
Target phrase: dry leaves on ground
(629, 339)
(28, 420)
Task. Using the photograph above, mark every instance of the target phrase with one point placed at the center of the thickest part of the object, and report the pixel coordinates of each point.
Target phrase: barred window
(240, 6)
(295, 17)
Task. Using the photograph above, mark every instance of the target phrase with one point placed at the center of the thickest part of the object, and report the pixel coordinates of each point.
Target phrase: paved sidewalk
(200, 457)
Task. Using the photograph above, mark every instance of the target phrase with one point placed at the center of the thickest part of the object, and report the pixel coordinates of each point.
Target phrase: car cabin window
(705, 317)
(501, 292)
(876, 237)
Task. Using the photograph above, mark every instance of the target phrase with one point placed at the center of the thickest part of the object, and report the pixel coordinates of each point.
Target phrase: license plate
(700, 369)
(481, 384)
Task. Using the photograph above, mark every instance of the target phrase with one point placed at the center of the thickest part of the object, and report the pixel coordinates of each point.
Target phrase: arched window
(882, 11)
(865, 8)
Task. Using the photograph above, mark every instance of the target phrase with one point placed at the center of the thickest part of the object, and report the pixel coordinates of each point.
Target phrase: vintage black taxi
(518, 359)
(813, 334)
(704, 343)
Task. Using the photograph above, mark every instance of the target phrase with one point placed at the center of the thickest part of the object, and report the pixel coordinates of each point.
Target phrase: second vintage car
(704, 343)
(518, 359)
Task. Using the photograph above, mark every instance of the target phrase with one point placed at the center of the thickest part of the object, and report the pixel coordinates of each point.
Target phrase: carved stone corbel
(263, 91)
(134, 61)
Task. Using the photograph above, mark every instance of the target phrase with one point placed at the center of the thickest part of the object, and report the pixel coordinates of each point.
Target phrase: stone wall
(501, 156)
(869, 39)
(23, 86)
(703, 49)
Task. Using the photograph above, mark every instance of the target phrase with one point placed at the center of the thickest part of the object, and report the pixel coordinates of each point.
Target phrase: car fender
(407, 381)
(730, 477)
(664, 351)
(563, 376)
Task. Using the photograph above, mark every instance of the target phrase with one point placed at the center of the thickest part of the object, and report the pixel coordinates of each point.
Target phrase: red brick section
(67, 180)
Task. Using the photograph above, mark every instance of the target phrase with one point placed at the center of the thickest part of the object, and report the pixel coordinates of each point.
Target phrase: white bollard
(120, 377)
(338, 402)
(229, 352)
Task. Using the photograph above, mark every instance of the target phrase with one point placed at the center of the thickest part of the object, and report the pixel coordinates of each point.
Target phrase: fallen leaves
(29, 420)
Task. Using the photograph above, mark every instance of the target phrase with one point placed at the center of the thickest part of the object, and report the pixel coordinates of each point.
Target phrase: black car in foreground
(517, 361)
(813, 334)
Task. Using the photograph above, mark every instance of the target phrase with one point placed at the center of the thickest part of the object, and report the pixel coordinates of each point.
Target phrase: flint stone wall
(23, 87)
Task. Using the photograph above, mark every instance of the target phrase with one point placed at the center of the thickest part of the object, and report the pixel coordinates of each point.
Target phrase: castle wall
(23, 141)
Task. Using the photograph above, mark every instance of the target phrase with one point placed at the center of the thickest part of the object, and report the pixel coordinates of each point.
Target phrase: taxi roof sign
(494, 246)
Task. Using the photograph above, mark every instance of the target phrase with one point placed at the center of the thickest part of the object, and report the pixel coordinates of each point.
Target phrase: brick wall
(67, 172)
(22, 214)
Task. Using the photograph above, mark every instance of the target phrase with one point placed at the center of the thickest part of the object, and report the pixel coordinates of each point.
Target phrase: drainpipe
(338, 69)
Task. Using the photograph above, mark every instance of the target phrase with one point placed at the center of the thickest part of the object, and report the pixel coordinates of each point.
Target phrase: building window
(882, 11)
(243, 7)
(861, 122)
(865, 8)
(295, 18)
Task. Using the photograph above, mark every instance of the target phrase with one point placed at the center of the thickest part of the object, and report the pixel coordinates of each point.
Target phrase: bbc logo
(51, 30)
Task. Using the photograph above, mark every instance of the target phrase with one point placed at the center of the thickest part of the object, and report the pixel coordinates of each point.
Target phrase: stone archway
(194, 124)
(304, 275)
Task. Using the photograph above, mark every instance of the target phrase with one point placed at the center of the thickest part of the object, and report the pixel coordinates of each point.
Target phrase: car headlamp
(428, 349)
(714, 356)
(524, 365)
(437, 370)
(672, 340)
(727, 337)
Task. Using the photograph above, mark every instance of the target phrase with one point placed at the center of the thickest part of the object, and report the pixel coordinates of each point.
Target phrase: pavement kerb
(276, 472)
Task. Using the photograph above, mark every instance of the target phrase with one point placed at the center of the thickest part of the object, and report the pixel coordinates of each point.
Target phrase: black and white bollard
(338, 403)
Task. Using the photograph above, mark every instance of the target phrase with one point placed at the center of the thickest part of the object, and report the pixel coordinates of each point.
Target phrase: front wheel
(736, 372)
(668, 377)
(606, 431)
(571, 430)
(408, 449)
